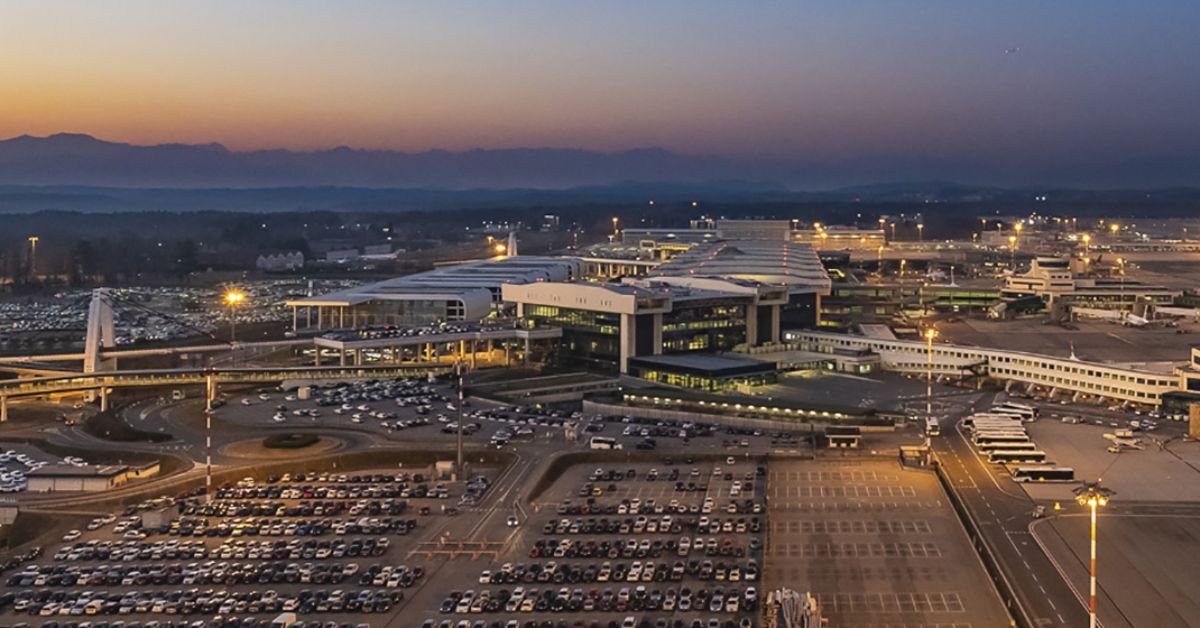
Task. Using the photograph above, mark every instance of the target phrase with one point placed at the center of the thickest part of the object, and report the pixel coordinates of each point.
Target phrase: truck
(283, 620)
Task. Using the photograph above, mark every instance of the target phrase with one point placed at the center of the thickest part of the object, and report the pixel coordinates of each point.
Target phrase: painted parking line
(892, 602)
(852, 526)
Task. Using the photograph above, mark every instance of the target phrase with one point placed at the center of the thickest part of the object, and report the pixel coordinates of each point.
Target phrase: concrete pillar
(520, 310)
(295, 314)
(317, 357)
(3, 409)
(342, 357)
(507, 356)
(320, 317)
(462, 350)
(628, 344)
(474, 352)
(103, 398)
(752, 325)
(358, 357)
(775, 331)
(526, 357)
(307, 317)
(342, 317)
(657, 343)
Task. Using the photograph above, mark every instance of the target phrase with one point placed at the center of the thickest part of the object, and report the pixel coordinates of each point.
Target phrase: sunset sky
(829, 79)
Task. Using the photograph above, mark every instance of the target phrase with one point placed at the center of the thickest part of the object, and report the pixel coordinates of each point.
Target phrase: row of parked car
(295, 549)
(50, 602)
(645, 548)
(326, 508)
(213, 573)
(567, 600)
(636, 571)
(266, 526)
(628, 622)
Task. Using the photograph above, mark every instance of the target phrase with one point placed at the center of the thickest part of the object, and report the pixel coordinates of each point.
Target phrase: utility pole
(460, 371)
(210, 392)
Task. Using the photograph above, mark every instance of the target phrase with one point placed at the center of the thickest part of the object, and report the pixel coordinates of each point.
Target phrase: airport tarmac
(1092, 340)
(1147, 565)
(877, 544)
(1151, 474)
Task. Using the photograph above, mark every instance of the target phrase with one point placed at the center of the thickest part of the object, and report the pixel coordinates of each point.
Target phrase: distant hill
(84, 161)
(72, 159)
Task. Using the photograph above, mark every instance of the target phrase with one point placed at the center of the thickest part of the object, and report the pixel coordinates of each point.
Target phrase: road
(1004, 513)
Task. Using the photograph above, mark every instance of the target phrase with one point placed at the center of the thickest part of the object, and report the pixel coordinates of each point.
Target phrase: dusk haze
(576, 314)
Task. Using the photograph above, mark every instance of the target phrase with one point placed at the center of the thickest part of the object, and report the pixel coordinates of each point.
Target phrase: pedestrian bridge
(106, 381)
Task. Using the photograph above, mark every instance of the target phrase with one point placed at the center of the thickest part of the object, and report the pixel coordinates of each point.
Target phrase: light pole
(233, 298)
(920, 232)
(930, 334)
(460, 369)
(210, 392)
(1121, 261)
(1094, 496)
(1012, 251)
(33, 240)
(1087, 240)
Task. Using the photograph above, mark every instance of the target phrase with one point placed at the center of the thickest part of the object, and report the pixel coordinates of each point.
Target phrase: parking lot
(657, 544)
(878, 545)
(328, 546)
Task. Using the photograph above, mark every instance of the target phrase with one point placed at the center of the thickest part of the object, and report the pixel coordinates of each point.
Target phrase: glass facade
(706, 326)
(404, 313)
(590, 339)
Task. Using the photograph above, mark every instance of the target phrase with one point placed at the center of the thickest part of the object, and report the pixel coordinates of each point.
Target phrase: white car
(71, 535)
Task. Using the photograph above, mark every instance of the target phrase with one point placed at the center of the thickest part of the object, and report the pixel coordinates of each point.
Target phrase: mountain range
(67, 159)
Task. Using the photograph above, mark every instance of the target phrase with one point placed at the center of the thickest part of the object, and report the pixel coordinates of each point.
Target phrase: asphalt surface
(1003, 513)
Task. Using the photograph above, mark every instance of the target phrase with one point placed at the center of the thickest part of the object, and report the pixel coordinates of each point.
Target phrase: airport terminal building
(1066, 376)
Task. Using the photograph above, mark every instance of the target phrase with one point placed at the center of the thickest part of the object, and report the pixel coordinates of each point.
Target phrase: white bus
(604, 442)
(1024, 415)
(1043, 474)
(1010, 456)
(1021, 407)
(989, 447)
(975, 420)
(977, 423)
(983, 439)
(932, 427)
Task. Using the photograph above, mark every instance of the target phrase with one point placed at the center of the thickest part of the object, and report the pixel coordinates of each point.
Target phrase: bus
(1024, 415)
(1020, 407)
(984, 438)
(978, 423)
(932, 427)
(989, 419)
(1000, 429)
(1043, 474)
(1009, 456)
(1026, 446)
(604, 442)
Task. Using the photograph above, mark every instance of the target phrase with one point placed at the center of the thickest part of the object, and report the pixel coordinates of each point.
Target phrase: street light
(893, 232)
(1094, 496)
(1121, 261)
(1114, 227)
(1087, 240)
(233, 298)
(33, 240)
(930, 334)
(615, 220)
(1012, 251)
(920, 232)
